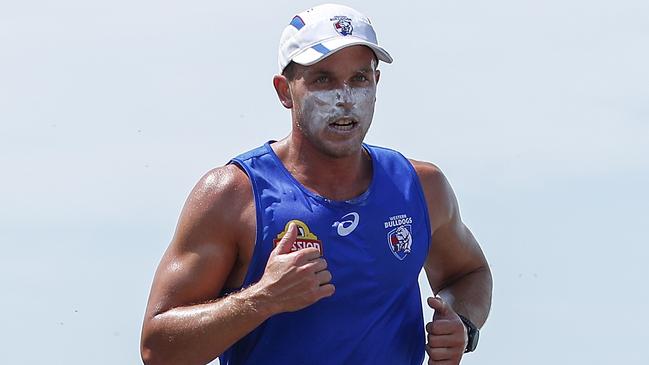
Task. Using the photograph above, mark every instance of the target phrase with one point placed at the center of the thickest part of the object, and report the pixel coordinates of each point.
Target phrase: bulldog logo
(400, 241)
(343, 25)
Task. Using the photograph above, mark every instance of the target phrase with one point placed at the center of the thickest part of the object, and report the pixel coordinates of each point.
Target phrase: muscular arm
(185, 321)
(456, 267)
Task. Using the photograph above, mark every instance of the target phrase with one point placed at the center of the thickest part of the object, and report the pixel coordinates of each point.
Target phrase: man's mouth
(343, 124)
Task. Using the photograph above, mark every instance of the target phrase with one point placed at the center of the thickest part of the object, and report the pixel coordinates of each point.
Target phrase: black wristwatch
(472, 332)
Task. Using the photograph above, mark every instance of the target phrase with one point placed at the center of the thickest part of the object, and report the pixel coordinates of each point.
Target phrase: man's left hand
(447, 337)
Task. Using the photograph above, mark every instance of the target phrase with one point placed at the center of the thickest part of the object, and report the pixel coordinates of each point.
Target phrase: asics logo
(346, 227)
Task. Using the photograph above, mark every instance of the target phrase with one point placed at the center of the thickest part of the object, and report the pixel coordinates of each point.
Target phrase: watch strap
(473, 333)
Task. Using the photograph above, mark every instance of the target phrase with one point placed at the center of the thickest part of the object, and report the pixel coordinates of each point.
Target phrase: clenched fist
(295, 280)
(446, 335)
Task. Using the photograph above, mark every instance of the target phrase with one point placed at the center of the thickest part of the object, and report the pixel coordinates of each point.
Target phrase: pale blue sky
(537, 111)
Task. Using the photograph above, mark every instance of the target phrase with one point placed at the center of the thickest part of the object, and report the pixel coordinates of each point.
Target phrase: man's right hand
(295, 280)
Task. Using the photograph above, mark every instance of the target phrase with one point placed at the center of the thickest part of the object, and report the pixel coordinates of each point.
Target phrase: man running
(307, 250)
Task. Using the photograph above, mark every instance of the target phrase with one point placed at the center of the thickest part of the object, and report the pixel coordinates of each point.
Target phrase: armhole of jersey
(422, 197)
(258, 221)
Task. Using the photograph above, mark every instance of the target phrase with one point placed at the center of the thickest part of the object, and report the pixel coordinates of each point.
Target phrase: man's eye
(360, 78)
(321, 80)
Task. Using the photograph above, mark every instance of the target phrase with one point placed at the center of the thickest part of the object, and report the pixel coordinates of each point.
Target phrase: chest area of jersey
(380, 243)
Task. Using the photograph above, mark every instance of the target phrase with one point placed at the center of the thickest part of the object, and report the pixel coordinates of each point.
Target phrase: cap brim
(325, 49)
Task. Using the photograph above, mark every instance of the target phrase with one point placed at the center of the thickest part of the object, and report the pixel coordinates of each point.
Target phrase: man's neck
(336, 178)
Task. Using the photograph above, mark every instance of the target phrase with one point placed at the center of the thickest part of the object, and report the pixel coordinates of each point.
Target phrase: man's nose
(344, 97)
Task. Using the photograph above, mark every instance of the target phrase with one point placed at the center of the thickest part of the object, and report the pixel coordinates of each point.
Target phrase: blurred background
(537, 111)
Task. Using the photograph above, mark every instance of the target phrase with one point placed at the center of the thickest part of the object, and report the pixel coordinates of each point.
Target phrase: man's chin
(341, 150)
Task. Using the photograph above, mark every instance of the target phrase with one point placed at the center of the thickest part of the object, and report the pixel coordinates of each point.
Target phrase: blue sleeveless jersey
(375, 246)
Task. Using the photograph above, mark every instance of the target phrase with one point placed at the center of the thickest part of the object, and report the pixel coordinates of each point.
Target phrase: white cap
(320, 31)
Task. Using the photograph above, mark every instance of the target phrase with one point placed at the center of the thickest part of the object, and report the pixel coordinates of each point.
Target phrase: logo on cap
(343, 24)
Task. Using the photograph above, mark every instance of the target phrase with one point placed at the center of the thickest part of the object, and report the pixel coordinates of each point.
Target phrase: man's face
(333, 100)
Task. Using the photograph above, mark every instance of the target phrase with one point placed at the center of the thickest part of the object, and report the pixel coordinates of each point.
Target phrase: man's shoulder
(428, 172)
(223, 179)
(221, 187)
(439, 195)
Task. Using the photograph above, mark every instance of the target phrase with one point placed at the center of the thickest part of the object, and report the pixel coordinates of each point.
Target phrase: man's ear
(283, 92)
(377, 75)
